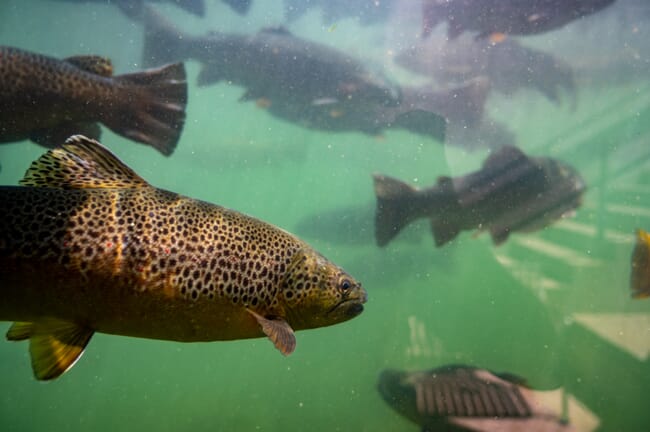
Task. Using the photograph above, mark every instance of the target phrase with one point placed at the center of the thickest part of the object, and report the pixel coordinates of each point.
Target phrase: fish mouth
(351, 306)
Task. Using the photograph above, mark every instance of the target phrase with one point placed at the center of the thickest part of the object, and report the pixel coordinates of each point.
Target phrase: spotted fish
(46, 100)
(86, 245)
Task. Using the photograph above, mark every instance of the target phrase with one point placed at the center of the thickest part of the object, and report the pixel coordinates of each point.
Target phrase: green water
(523, 307)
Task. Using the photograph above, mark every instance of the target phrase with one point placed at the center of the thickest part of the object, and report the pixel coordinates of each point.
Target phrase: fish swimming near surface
(516, 17)
(47, 100)
(640, 271)
(464, 398)
(297, 80)
(86, 245)
(512, 192)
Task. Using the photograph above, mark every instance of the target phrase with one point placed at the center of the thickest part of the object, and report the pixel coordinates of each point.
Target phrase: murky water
(553, 306)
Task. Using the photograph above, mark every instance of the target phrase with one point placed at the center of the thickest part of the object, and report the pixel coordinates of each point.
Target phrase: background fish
(133, 8)
(47, 100)
(461, 398)
(505, 16)
(508, 65)
(297, 80)
(512, 192)
(640, 271)
(86, 246)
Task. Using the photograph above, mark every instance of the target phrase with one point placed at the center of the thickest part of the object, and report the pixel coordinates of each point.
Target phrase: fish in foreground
(640, 271)
(86, 246)
(47, 100)
(304, 82)
(517, 17)
(512, 192)
(462, 398)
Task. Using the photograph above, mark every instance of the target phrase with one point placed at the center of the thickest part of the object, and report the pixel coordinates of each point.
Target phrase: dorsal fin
(95, 64)
(504, 156)
(81, 163)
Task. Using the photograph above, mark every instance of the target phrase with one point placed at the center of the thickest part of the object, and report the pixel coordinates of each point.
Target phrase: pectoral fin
(55, 345)
(443, 231)
(279, 331)
(499, 236)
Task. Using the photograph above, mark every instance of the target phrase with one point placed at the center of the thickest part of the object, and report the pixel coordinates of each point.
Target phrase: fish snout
(357, 297)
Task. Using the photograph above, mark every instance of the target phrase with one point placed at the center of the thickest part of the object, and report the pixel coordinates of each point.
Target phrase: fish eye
(346, 285)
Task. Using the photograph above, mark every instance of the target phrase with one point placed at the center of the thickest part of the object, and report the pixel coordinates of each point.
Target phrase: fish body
(640, 266)
(511, 193)
(508, 65)
(462, 398)
(47, 100)
(295, 79)
(514, 17)
(88, 246)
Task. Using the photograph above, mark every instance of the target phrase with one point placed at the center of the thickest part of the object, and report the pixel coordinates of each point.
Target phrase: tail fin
(153, 111)
(163, 41)
(392, 212)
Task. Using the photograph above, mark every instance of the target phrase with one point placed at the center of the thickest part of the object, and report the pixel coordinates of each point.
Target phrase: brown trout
(297, 80)
(47, 100)
(86, 246)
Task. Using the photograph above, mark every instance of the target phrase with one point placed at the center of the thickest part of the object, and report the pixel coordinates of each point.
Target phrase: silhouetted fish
(133, 8)
(462, 398)
(518, 17)
(640, 270)
(47, 100)
(301, 81)
(507, 65)
(86, 246)
(511, 193)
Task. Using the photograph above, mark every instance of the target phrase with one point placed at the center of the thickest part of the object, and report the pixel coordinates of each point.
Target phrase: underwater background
(552, 306)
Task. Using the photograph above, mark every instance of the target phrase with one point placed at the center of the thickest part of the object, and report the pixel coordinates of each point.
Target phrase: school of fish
(88, 246)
